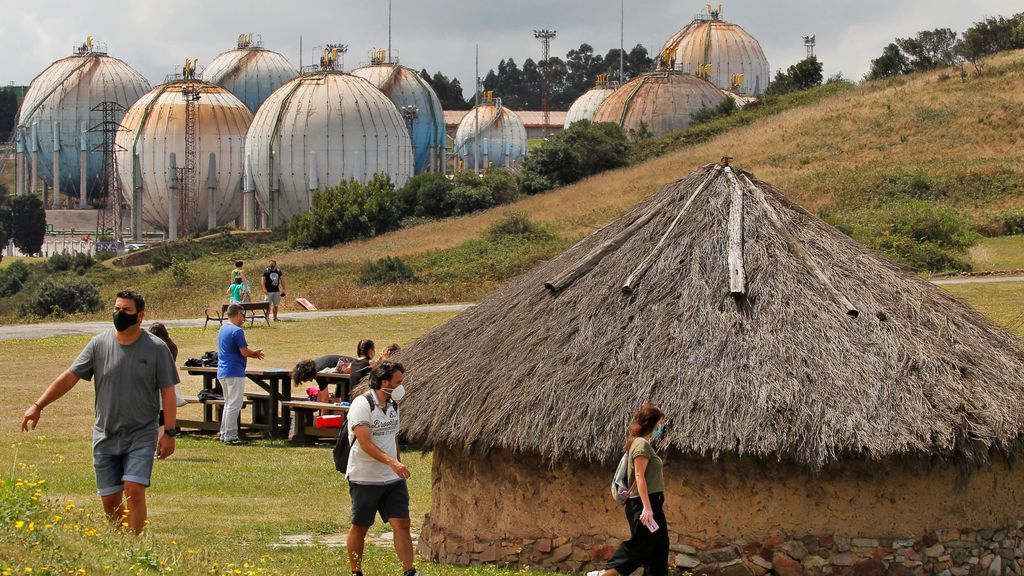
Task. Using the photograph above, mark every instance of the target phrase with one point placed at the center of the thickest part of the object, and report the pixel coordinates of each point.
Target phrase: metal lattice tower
(545, 36)
(108, 207)
(809, 42)
(188, 177)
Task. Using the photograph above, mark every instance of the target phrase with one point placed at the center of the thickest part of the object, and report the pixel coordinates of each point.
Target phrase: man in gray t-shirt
(132, 370)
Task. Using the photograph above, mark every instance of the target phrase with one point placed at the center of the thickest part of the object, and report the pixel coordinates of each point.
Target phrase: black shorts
(390, 500)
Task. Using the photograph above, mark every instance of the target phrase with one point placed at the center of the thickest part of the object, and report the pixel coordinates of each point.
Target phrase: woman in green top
(236, 291)
(648, 544)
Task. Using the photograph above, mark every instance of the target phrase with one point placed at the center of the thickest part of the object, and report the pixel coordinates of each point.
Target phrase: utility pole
(189, 180)
(622, 35)
(545, 36)
(476, 115)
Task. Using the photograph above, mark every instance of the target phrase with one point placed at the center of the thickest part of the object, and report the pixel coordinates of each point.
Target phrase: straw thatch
(802, 346)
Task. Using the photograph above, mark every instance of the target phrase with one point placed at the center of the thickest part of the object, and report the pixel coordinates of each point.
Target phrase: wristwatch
(172, 432)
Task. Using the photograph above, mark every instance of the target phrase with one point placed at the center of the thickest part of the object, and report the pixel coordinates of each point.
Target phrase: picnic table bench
(304, 424)
(252, 311)
(268, 410)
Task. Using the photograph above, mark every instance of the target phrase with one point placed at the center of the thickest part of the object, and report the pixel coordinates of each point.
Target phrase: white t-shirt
(383, 423)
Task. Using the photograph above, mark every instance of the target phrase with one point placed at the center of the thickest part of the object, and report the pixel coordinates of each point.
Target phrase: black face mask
(124, 320)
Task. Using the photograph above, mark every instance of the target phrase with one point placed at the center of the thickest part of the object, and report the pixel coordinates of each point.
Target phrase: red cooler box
(332, 421)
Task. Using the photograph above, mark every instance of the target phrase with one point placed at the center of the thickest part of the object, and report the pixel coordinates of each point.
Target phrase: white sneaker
(595, 573)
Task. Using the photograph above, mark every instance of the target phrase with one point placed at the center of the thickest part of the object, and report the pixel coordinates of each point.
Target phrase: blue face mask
(658, 432)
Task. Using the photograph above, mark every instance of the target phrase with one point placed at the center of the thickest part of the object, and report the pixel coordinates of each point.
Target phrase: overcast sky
(155, 37)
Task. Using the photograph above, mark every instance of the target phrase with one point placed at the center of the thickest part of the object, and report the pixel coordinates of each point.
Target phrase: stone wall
(732, 517)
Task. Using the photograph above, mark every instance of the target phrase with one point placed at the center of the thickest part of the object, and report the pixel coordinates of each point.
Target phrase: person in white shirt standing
(376, 477)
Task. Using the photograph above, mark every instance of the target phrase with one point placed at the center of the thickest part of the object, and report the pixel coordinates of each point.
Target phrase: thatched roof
(802, 345)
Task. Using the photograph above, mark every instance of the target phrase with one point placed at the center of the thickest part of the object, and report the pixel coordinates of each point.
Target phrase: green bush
(64, 295)
(1001, 223)
(387, 270)
(724, 108)
(925, 222)
(424, 195)
(78, 262)
(161, 256)
(9, 284)
(179, 271)
(227, 241)
(346, 212)
(104, 255)
(517, 223)
(19, 270)
(502, 184)
(581, 150)
(464, 199)
(921, 256)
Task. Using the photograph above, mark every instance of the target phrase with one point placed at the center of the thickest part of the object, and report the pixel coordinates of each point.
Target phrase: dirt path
(34, 331)
(979, 280)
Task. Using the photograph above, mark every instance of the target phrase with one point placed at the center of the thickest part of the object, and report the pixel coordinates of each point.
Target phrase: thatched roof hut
(813, 388)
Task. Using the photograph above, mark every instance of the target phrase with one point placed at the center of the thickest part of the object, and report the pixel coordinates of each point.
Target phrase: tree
(580, 150)
(930, 49)
(806, 73)
(892, 62)
(26, 223)
(449, 92)
(8, 113)
(991, 35)
(347, 211)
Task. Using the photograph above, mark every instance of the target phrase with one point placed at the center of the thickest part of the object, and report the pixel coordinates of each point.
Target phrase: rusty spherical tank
(729, 50)
(57, 114)
(586, 105)
(151, 148)
(657, 103)
(250, 72)
(406, 89)
(318, 130)
(499, 137)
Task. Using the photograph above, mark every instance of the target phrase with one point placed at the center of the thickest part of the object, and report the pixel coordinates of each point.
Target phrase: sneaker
(411, 572)
(595, 573)
(236, 442)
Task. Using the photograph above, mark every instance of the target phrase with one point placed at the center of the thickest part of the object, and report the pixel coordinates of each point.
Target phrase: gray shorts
(273, 297)
(391, 500)
(113, 470)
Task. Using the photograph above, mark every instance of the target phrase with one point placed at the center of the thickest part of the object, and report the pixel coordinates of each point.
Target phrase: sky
(156, 37)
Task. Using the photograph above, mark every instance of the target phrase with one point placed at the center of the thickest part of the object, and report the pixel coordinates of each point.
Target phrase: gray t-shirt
(128, 383)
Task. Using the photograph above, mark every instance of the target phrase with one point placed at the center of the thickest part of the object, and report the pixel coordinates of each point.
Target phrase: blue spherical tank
(250, 72)
(59, 115)
(418, 103)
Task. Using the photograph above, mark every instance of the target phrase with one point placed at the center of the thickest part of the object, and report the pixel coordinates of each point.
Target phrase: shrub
(20, 270)
(346, 212)
(424, 195)
(78, 262)
(64, 295)
(921, 256)
(103, 255)
(925, 222)
(387, 270)
(464, 199)
(160, 258)
(1001, 223)
(723, 108)
(9, 284)
(516, 223)
(179, 271)
(227, 241)
(581, 150)
(502, 184)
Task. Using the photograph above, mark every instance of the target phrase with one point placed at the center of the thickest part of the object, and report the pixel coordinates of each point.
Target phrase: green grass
(1003, 302)
(1002, 253)
(210, 505)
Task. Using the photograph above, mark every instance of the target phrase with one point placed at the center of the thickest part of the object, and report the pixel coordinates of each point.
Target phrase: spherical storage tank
(405, 88)
(727, 47)
(250, 72)
(318, 130)
(500, 137)
(57, 113)
(587, 104)
(151, 148)
(658, 102)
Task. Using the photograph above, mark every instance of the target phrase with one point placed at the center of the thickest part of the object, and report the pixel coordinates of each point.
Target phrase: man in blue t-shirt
(232, 351)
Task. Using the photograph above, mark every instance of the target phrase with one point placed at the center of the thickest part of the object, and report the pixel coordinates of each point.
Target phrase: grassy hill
(931, 136)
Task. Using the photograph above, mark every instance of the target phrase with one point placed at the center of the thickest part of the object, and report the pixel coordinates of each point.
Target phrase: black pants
(644, 548)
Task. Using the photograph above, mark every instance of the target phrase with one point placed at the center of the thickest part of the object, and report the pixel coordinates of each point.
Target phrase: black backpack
(342, 448)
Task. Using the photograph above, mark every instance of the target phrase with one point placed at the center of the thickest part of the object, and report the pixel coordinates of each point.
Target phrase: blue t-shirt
(230, 341)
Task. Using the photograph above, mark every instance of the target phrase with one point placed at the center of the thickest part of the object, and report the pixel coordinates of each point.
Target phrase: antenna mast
(108, 214)
(189, 175)
(545, 36)
(809, 44)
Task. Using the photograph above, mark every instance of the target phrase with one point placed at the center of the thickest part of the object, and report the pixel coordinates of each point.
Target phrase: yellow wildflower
(19, 524)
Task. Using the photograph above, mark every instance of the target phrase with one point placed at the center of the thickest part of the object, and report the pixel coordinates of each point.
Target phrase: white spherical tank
(57, 115)
(657, 103)
(406, 88)
(151, 148)
(500, 137)
(318, 130)
(726, 47)
(587, 104)
(250, 72)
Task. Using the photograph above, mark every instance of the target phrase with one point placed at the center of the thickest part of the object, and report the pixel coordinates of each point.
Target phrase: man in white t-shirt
(376, 478)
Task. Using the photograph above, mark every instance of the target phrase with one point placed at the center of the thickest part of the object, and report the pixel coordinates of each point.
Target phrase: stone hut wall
(732, 517)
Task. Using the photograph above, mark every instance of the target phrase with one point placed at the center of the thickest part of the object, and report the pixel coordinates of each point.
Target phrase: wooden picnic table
(276, 382)
(304, 414)
(332, 377)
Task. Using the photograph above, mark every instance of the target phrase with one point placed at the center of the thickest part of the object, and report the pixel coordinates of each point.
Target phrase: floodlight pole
(622, 34)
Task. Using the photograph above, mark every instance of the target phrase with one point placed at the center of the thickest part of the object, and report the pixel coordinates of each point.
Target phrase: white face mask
(398, 393)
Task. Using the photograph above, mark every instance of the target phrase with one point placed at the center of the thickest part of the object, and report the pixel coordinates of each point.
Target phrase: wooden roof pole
(737, 275)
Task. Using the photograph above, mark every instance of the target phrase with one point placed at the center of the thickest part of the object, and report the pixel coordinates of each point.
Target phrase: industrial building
(177, 182)
(418, 104)
(587, 104)
(58, 134)
(657, 103)
(722, 52)
(490, 135)
(318, 130)
(250, 71)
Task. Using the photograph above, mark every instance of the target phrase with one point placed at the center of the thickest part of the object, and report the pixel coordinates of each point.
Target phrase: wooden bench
(304, 411)
(259, 401)
(251, 310)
